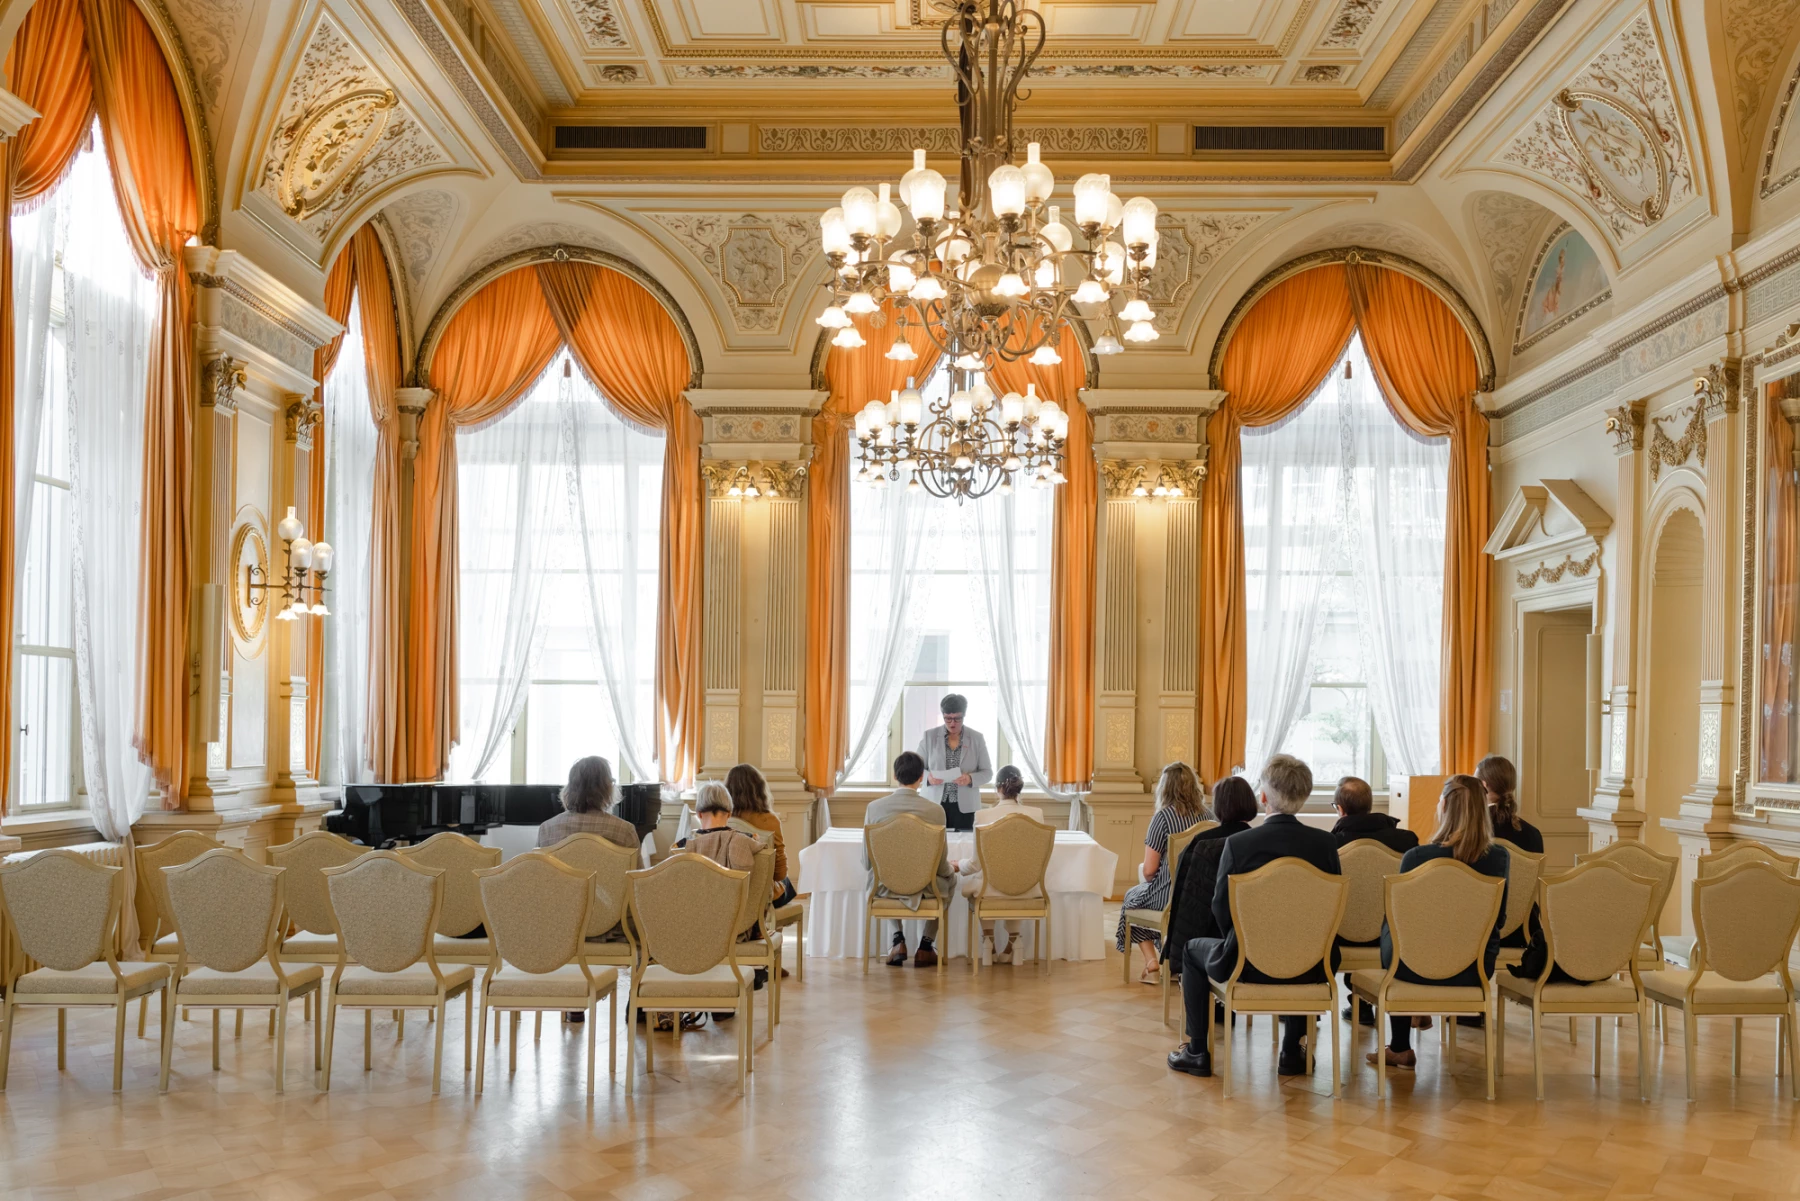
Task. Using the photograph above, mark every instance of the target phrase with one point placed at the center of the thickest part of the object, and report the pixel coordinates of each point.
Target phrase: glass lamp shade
(904, 191)
(862, 432)
(927, 198)
(848, 338)
(1136, 309)
(887, 216)
(1012, 286)
(1141, 331)
(861, 302)
(321, 611)
(834, 235)
(969, 361)
(901, 351)
(286, 614)
(1045, 356)
(1107, 344)
(1012, 408)
(1091, 192)
(912, 406)
(1115, 211)
(1032, 404)
(1046, 274)
(289, 527)
(1150, 250)
(982, 397)
(1055, 232)
(1091, 291)
(1139, 215)
(300, 553)
(1006, 191)
(322, 556)
(834, 317)
(962, 407)
(1114, 270)
(1039, 182)
(860, 213)
(901, 278)
(927, 289)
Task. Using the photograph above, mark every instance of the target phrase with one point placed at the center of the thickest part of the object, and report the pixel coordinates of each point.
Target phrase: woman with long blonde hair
(1464, 833)
(1180, 802)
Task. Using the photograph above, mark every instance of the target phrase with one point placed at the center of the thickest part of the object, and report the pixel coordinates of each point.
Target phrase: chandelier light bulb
(834, 235)
(901, 278)
(1006, 191)
(884, 435)
(1139, 219)
(1012, 408)
(904, 191)
(1046, 274)
(848, 339)
(1012, 286)
(861, 302)
(1091, 192)
(1090, 291)
(901, 351)
(1055, 232)
(1039, 182)
(1136, 309)
(982, 397)
(300, 553)
(860, 215)
(962, 408)
(1032, 404)
(968, 361)
(1141, 331)
(912, 405)
(862, 429)
(1115, 211)
(834, 317)
(928, 289)
(926, 199)
(1045, 356)
(887, 215)
(290, 527)
(1107, 344)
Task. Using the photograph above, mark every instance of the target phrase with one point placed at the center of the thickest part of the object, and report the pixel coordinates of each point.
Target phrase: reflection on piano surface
(385, 815)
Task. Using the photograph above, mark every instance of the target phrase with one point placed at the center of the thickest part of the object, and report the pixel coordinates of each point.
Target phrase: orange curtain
(1422, 357)
(1069, 711)
(1780, 593)
(490, 352)
(632, 350)
(1280, 352)
(855, 377)
(48, 67)
(153, 179)
(362, 270)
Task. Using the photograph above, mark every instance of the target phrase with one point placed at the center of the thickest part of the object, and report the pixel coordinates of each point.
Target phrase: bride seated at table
(1008, 784)
(1007, 787)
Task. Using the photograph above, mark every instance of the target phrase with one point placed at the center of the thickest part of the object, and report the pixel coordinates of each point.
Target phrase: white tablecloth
(1079, 876)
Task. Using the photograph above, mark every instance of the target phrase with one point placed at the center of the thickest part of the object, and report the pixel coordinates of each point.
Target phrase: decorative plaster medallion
(1188, 245)
(1323, 73)
(1612, 137)
(757, 259)
(249, 554)
(614, 73)
(1349, 22)
(599, 23)
(342, 133)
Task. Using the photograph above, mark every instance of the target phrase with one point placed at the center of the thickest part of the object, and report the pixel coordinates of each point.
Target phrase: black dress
(1527, 837)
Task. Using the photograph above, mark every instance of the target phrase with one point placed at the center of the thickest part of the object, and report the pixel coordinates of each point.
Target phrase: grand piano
(390, 815)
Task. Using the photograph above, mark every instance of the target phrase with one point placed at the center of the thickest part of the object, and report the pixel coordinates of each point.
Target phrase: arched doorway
(1672, 684)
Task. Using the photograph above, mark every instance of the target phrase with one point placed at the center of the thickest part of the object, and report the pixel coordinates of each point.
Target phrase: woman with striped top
(1180, 802)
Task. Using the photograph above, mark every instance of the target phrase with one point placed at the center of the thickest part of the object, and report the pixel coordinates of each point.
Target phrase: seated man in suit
(1285, 785)
(909, 769)
(1355, 803)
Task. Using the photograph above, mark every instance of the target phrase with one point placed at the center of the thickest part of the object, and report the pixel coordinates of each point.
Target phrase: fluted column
(1721, 598)
(720, 635)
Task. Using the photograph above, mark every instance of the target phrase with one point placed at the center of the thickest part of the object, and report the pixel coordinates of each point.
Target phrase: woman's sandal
(1150, 976)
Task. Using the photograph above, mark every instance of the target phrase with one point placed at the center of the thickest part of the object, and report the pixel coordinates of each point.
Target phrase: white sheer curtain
(111, 321)
(606, 568)
(1401, 484)
(349, 504)
(509, 487)
(1013, 538)
(1294, 513)
(34, 244)
(889, 529)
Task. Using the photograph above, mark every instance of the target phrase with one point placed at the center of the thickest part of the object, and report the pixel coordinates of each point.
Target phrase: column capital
(1717, 390)
(411, 402)
(302, 415)
(1125, 479)
(15, 114)
(750, 479)
(1626, 425)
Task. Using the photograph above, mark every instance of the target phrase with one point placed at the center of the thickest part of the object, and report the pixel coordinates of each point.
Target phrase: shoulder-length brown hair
(1180, 789)
(1463, 823)
(749, 791)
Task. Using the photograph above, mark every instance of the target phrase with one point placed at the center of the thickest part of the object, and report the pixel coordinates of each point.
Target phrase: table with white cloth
(1079, 877)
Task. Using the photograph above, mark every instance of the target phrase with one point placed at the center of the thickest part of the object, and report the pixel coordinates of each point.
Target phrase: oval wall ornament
(1620, 151)
(332, 142)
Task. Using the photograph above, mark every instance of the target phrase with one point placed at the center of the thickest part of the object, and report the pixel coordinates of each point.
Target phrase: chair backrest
(1366, 863)
(535, 908)
(386, 907)
(1522, 871)
(607, 862)
(905, 851)
(1014, 853)
(760, 889)
(1595, 917)
(179, 847)
(1640, 860)
(1286, 914)
(1178, 842)
(63, 907)
(1745, 920)
(226, 909)
(684, 912)
(305, 860)
(1440, 916)
(461, 857)
(1745, 852)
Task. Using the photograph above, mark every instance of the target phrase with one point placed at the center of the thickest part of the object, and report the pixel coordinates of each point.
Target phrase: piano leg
(512, 1045)
(537, 1031)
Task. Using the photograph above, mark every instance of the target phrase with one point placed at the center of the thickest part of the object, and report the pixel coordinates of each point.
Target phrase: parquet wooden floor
(900, 1084)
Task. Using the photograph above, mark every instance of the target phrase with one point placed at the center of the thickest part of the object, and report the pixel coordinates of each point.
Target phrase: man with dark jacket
(1355, 803)
(1285, 785)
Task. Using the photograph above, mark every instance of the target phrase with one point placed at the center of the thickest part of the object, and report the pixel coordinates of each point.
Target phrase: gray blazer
(935, 750)
(907, 800)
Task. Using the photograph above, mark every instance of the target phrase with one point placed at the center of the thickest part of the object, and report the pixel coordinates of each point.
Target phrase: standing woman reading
(956, 764)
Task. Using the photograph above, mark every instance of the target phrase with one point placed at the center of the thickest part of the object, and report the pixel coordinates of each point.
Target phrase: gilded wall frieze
(1553, 573)
(1673, 452)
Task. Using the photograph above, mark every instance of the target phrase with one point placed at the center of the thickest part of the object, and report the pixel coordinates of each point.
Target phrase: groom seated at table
(909, 769)
(1286, 783)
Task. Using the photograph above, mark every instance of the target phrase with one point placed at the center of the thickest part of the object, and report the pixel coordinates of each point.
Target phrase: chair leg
(974, 941)
(631, 1013)
(1492, 1017)
(1225, 1056)
(537, 1032)
(329, 1019)
(1125, 959)
(1537, 1050)
(743, 1033)
(650, 1042)
(593, 1019)
(6, 1040)
(1793, 1050)
(868, 943)
(1165, 992)
(1381, 1023)
(62, 1039)
(271, 1023)
(1337, 1079)
(468, 1023)
(1046, 951)
(215, 1039)
(774, 1005)
(314, 1000)
(512, 1044)
(119, 1046)
(1737, 1047)
(237, 1029)
(143, 1013)
(166, 1037)
(1691, 1032)
(481, 1049)
(437, 1049)
(612, 1032)
(368, 1039)
(800, 947)
(1596, 1048)
(399, 1024)
(1499, 1037)
(280, 1014)
(1643, 1034)
(1312, 1038)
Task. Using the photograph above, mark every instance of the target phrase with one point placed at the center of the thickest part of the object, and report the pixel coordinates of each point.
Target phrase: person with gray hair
(956, 764)
(715, 838)
(587, 801)
(1286, 784)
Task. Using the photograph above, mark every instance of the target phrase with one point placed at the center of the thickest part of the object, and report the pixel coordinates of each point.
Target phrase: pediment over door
(1550, 534)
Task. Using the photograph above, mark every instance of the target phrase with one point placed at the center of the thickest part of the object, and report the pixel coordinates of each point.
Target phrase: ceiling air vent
(631, 137)
(1291, 138)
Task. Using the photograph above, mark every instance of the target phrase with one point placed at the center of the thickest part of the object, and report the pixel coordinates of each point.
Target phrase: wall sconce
(305, 559)
(743, 484)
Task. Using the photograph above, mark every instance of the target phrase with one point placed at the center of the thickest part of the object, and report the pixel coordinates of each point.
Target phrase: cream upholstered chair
(1286, 914)
(1439, 917)
(1745, 920)
(1679, 948)
(1014, 854)
(535, 908)
(229, 912)
(1640, 860)
(608, 863)
(1522, 871)
(156, 924)
(904, 852)
(387, 910)
(683, 928)
(763, 951)
(460, 857)
(1158, 919)
(1366, 865)
(1594, 919)
(64, 909)
(313, 937)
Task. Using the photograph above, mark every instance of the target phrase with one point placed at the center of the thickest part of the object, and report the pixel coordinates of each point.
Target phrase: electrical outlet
(1506, 700)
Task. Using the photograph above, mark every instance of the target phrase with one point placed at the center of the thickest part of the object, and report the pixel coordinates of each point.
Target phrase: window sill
(61, 821)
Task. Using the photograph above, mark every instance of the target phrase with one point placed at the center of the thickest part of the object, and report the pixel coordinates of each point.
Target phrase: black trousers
(956, 819)
(1196, 998)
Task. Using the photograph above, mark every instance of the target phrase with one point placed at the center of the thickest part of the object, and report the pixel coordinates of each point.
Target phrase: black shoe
(575, 1015)
(1477, 1020)
(1365, 1015)
(1291, 1063)
(722, 1014)
(762, 978)
(1194, 1063)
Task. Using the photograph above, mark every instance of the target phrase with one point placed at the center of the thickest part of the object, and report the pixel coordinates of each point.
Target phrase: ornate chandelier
(989, 281)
